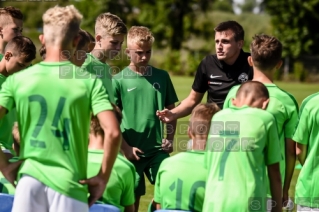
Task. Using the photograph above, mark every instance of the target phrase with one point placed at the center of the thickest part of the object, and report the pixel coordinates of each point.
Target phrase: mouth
(220, 53)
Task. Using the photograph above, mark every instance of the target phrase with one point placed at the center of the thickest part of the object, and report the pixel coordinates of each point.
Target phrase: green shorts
(149, 166)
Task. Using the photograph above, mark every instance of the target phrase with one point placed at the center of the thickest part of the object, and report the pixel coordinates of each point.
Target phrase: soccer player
(109, 36)
(243, 141)
(5, 186)
(120, 188)
(307, 138)
(19, 52)
(11, 25)
(266, 58)
(181, 179)
(139, 90)
(54, 125)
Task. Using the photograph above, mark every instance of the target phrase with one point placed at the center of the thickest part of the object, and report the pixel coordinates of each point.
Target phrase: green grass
(183, 87)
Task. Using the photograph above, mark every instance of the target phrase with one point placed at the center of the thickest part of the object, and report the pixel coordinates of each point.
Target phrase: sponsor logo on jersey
(130, 89)
(212, 76)
(243, 77)
(214, 83)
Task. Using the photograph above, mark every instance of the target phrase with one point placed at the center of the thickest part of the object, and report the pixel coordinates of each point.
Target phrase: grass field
(183, 87)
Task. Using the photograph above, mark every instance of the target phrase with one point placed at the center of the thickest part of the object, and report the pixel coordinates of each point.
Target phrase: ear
(240, 44)
(98, 38)
(265, 104)
(8, 55)
(234, 101)
(189, 132)
(41, 39)
(279, 65)
(250, 61)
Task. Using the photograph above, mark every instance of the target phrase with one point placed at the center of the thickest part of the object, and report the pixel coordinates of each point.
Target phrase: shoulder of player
(283, 95)
(124, 165)
(310, 102)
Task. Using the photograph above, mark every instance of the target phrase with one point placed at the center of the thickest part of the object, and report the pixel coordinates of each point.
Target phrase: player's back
(242, 142)
(180, 182)
(120, 187)
(54, 116)
(307, 134)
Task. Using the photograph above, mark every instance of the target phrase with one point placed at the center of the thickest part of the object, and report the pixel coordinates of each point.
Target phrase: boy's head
(265, 53)
(109, 34)
(11, 23)
(95, 127)
(199, 124)
(60, 28)
(16, 138)
(81, 48)
(92, 42)
(139, 45)
(42, 52)
(252, 94)
(18, 54)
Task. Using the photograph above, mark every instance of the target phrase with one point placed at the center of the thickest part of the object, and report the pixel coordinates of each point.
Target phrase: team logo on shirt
(243, 77)
(156, 86)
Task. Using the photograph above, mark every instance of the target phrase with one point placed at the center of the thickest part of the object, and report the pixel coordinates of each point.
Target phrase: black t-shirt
(218, 78)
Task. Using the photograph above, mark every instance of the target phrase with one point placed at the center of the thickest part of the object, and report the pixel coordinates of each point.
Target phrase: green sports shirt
(97, 69)
(307, 187)
(54, 117)
(180, 182)
(284, 107)
(242, 142)
(139, 97)
(120, 187)
(6, 123)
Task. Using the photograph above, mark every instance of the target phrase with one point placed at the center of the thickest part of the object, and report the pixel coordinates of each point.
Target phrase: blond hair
(140, 35)
(109, 24)
(61, 25)
(7, 14)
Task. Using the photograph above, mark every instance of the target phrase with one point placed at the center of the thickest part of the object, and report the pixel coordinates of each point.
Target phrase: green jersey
(6, 123)
(100, 70)
(54, 118)
(180, 182)
(139, 97)
(120, 187)
(285, 110)
(241, 143)
(307, 187)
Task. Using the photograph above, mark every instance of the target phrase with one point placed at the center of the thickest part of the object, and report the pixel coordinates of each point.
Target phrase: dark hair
(24, 46)
(233, 26)
(265, 51)
(84, 39)
(12, 12)
(254, 88)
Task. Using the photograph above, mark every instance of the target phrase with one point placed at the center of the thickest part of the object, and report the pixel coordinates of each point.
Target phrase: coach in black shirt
(217, 73)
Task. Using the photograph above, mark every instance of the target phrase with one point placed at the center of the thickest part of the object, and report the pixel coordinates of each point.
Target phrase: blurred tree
(248, 6)
(294, 22)
(224, 6)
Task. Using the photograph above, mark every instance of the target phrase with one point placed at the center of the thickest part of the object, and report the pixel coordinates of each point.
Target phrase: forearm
(302, 150)
(124, 145)
(171, 129)
(290, 165)
(3, 160)
(275, 187)
(111, 148)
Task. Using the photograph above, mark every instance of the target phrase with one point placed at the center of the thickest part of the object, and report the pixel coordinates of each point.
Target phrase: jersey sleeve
(171, 96)
(292, 121)
(117, 93)
(273, 154)
(200, 83)
(6, 94)
(302, 132)
(99, 98)
(128, 197)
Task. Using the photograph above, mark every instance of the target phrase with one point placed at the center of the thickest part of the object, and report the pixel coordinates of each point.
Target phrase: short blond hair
(140, 35)
(7, 14)
(109, 24)
(61, 25)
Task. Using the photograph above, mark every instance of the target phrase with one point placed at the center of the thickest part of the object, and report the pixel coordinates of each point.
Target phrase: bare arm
(171, 126)
(188, 104)
(302, 153)
(3, 159)
(129, 208)
(275, 186)
(112, 139)
(290, 151)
